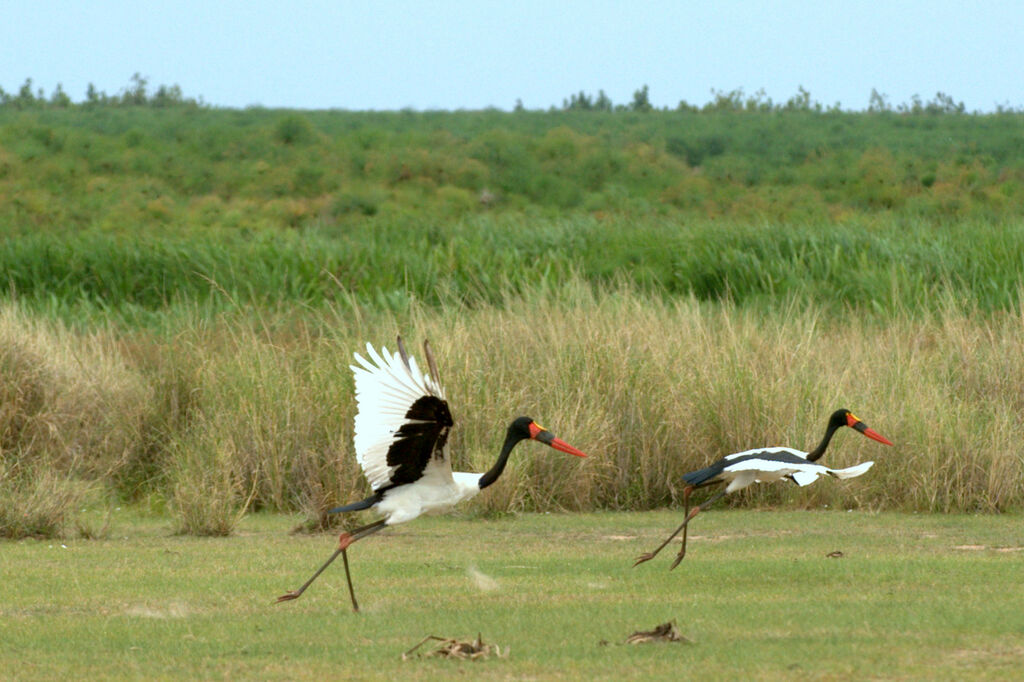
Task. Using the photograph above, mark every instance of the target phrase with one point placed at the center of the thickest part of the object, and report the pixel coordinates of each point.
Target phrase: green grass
(915, 596)
(119, 213)
(884, 267)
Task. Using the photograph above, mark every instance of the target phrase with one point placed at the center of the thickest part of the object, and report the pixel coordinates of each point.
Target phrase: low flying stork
(763, 465)
(401, 443)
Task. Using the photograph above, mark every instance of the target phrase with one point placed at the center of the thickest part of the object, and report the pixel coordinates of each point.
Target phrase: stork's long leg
(682, 527)
(295, 594)
(361, 532)
(696, 510)
(647, 556)
(344, 540)
(348, 579)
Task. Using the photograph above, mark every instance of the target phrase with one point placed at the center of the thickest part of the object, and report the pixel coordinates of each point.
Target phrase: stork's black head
(522, 428)
(839, 418)
(844, 417)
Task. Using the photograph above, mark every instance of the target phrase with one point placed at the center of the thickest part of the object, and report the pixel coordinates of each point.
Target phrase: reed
(889, 267)
(254, 410)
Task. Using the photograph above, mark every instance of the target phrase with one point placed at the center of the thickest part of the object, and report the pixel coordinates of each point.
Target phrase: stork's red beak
(875, 435)
(858, 425)
(559, 444)
(539, 433)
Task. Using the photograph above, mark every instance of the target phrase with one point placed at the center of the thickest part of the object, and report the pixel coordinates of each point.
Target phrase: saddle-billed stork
(763, 465)
(401, 442)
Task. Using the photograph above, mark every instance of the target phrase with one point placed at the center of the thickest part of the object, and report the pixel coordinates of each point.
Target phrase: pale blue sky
(449, 54)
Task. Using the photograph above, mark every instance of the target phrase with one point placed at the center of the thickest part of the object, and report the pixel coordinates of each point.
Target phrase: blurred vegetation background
(182, 287)
(139, 200)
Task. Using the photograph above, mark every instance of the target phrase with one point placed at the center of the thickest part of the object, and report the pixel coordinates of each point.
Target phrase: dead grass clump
(207, 494)
(37, 503)
(269, 428)
(67, 400)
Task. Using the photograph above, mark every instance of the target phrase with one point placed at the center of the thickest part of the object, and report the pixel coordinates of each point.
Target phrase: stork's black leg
(696, 510)
(295, 594)
(348, 579)
(647, 556)
(344, 540)
(362, 532)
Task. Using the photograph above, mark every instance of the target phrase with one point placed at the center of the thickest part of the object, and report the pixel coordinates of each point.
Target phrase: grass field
(913, 597)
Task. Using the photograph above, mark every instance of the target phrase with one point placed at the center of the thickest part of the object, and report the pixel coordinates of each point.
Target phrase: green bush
(293, 129)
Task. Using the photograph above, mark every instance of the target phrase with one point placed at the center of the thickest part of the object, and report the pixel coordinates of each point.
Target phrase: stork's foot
(679, 557)
(646, 556)
(294, 594)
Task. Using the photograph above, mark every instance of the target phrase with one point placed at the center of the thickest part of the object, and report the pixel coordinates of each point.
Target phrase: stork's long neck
(820, 450)
(492, 474)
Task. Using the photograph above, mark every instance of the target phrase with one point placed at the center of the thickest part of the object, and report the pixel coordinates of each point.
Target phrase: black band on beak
(545, 437)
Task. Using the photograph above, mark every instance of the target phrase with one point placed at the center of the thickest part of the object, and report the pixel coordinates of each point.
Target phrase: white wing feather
(803, 478)
(385, 390)
(801, 473)
(850, 472)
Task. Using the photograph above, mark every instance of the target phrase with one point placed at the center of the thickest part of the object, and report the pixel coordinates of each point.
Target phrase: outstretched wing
(403, 421)
(769, 462)
(746, 460)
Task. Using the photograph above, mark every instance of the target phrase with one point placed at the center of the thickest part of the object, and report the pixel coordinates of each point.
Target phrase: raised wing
(403, 420)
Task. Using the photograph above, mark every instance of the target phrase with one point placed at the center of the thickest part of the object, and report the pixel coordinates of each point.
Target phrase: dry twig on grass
(453, 648)
(666, 632)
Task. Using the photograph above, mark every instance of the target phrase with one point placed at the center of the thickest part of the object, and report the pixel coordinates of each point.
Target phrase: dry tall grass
(71, 413)
(246, 412)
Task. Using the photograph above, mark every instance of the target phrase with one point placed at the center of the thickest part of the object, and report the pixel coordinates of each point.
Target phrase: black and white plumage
(401, 441)
(764, 465)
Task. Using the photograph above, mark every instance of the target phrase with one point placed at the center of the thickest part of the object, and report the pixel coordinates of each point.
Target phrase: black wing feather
(710, 474)
(419, 440)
